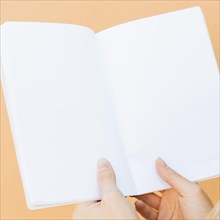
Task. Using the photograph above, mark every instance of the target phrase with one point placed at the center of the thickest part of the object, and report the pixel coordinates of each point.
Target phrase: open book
(130, 93)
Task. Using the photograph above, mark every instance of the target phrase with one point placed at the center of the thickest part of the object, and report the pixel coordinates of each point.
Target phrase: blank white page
(164, 80)
(60, 113)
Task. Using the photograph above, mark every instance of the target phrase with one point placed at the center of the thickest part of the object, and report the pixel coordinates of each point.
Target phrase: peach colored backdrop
(97, 15)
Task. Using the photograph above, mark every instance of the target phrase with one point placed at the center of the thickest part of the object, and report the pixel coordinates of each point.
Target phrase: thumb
(175, 180)
(106, 177)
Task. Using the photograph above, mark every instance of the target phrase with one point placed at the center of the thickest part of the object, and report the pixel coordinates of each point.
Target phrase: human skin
(186, 200)
(113, 204)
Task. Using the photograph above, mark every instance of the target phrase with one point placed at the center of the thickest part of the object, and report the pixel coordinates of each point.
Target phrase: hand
(113, 204)
(185, 201)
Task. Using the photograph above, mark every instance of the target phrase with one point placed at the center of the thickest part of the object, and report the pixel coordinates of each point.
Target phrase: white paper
(61, 117)
(164, 82)
(130, 93)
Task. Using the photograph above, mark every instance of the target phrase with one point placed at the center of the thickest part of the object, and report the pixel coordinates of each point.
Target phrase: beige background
(97, 15)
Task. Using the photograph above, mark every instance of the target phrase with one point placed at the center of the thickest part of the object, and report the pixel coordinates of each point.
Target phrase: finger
(81, 207)
(106, 177)
(145, 210)
(175, 180)
(150, 199)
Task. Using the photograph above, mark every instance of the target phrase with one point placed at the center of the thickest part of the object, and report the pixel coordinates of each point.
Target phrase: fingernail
(161, 162)
(139, 203)
(103, 165)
